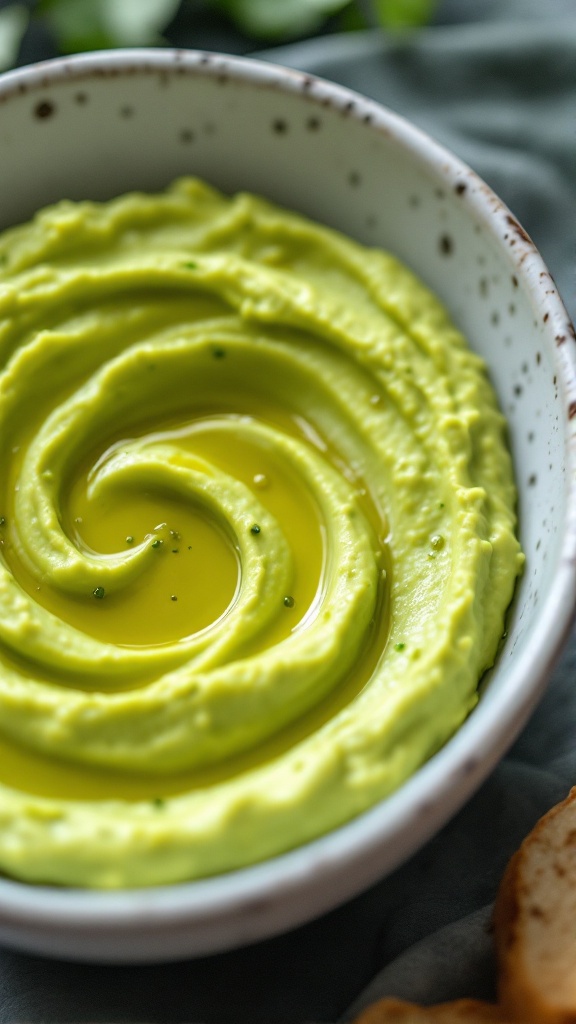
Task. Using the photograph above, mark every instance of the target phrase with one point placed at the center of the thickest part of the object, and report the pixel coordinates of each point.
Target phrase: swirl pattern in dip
(257, 535)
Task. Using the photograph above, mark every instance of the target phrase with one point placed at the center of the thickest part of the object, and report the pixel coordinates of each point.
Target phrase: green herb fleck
(175, 551)
(289, 601)
(98, 592)
(189, 547)
(255, 528)
(2, 520)
(399, 647)
(156, 543)
(437, 541)
(129, 539)
(440, 504)
(158, 802)
(218, 353)
(190, 265)
(173, 597)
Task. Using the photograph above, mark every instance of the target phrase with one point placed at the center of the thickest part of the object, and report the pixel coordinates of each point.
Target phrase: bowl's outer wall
(97, 126)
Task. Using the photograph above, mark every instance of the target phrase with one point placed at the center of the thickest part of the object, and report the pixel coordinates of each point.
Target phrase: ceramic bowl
(98, 125)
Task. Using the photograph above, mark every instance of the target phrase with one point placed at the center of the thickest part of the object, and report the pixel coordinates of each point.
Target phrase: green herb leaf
(280, 19)
(93, 24)
(13, 23)
(139, 22)
(394, 14)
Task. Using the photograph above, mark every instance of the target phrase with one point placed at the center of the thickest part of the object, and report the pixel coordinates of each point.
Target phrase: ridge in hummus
(257, 535)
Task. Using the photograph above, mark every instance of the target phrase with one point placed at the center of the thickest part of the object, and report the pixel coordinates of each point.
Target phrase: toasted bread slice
(462, 1011)
(535, 923)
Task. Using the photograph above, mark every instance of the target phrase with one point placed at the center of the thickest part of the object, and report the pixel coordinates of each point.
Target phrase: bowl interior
(97, 126)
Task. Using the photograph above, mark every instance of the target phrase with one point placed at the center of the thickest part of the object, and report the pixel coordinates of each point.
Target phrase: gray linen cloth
(496, 82)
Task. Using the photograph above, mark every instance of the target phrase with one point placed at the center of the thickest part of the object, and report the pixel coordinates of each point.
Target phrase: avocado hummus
(257, 535)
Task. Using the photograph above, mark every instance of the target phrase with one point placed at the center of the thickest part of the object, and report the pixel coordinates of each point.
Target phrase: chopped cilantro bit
(98, 592)
(289, 601)
(255, 528)
(399, 647)
(156, 543)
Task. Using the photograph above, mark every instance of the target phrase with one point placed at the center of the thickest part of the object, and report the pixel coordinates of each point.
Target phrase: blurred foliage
(78, 25)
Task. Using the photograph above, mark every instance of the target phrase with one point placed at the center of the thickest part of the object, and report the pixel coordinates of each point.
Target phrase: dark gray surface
(496, 82)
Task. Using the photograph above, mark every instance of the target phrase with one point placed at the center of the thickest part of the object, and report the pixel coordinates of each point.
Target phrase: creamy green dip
(257, 535)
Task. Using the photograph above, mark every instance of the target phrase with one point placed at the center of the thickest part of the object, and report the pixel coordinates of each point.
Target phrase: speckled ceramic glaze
(98, 125)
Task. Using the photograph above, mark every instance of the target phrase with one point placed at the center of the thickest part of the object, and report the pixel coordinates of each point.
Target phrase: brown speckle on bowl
(279, 126)
(446, 245)
(518, 229)
(186, 136)
(460, 188)
(572, 410)
(532, 479)
(354, 179)
(44, 109)
(313, 124)
(560, 339)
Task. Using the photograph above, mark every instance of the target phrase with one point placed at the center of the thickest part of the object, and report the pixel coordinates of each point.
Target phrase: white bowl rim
(451, 773)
